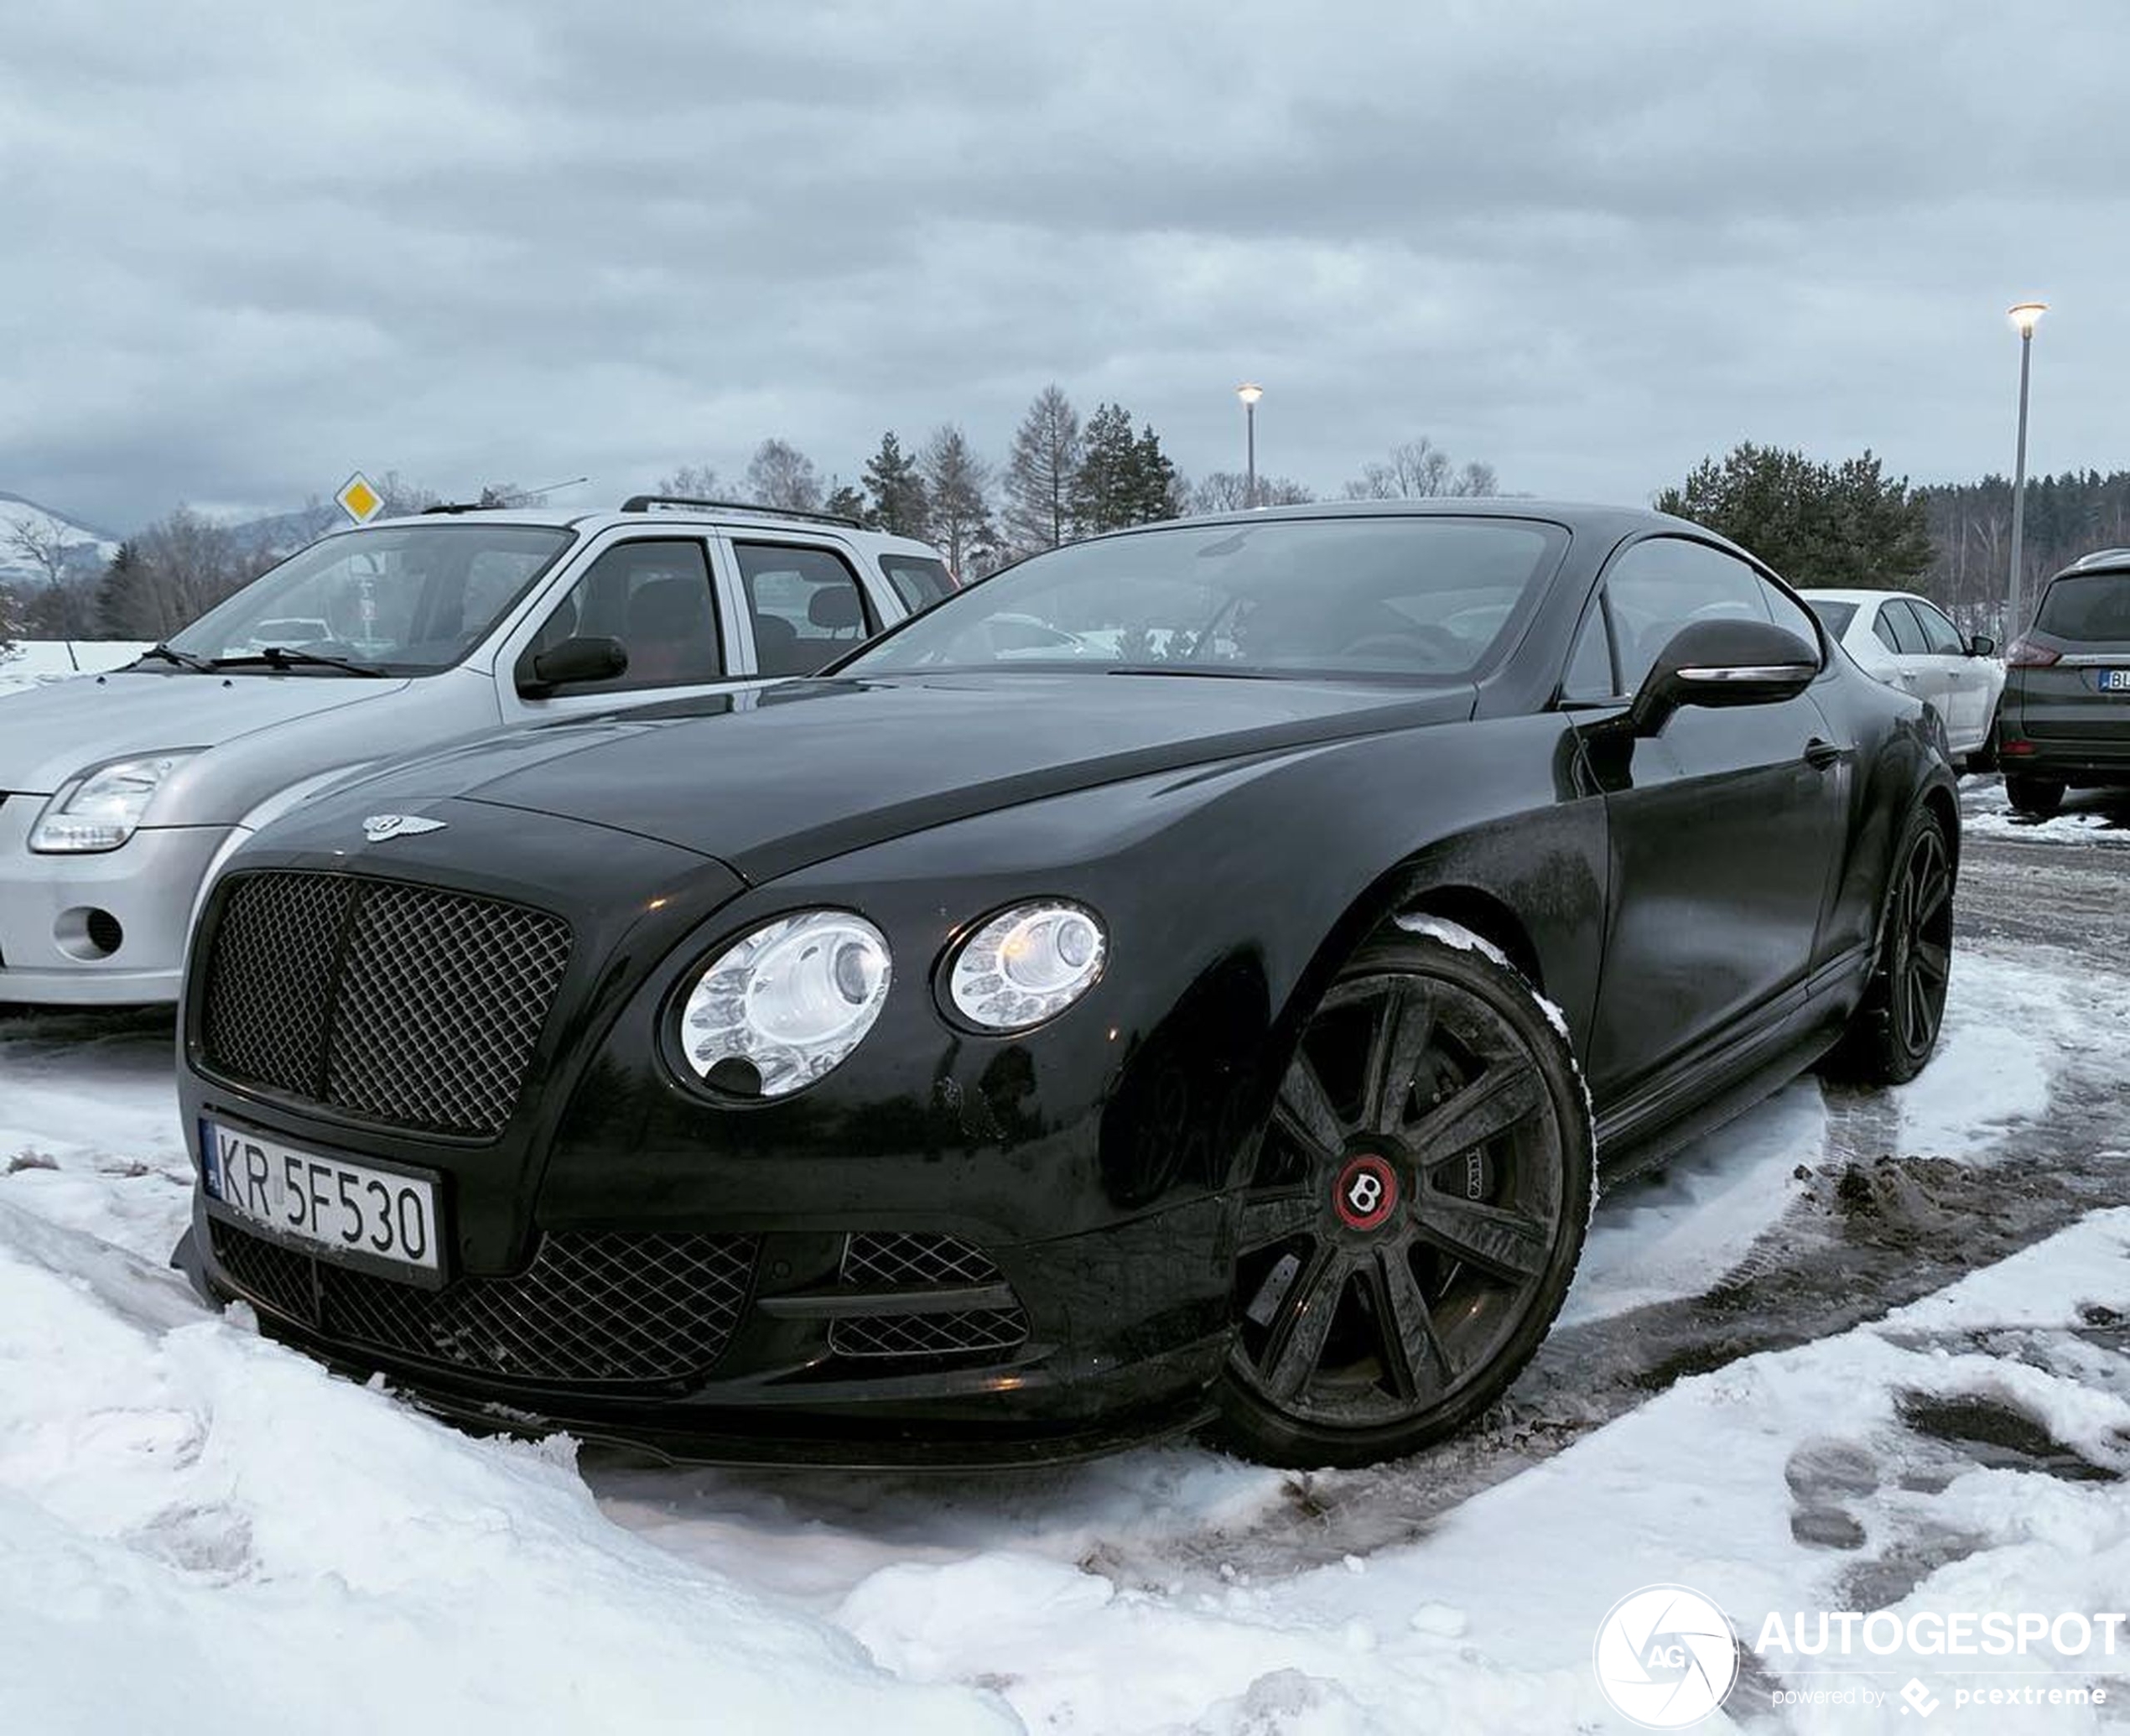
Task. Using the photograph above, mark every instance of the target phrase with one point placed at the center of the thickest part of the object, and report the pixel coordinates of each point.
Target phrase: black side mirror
(571, 661)
(1982, 645)
(1723, 663)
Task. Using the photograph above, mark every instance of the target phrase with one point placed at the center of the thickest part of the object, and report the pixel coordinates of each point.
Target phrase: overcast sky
(246, 247)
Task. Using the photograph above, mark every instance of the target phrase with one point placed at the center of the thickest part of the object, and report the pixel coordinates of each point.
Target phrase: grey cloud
(253, 247)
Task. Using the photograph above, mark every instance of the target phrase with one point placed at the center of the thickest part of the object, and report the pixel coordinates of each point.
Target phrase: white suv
(119, 793)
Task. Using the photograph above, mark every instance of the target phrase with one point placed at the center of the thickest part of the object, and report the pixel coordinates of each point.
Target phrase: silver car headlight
(787, 1004)
(100, 809)
(1028, 965)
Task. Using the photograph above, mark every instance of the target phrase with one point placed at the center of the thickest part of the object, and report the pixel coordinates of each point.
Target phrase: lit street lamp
(2023, 316)
(1249, 395)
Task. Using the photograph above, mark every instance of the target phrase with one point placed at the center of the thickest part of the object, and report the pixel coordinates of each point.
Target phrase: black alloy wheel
(1896, 1029)
(1417, 1210)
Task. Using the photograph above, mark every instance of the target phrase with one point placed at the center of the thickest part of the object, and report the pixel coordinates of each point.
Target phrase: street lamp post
(1249, 395)
(2024, 316)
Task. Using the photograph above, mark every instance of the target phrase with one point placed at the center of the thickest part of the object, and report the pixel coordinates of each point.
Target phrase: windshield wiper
(183, 659)
(279, 656)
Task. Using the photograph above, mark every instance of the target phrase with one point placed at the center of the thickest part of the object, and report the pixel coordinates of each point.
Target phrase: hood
(48, 734)
(768, 781)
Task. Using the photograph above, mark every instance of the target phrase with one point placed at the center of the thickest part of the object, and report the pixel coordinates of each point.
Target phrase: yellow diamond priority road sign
(359, 500)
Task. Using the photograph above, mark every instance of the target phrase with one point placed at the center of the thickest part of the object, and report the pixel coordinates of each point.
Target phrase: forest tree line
(1065, 476)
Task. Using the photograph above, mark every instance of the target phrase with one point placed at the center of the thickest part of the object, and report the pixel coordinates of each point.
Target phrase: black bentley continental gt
(1192, 977)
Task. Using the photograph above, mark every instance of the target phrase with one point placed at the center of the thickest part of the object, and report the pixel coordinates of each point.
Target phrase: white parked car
(1908, 641)
(121, 792)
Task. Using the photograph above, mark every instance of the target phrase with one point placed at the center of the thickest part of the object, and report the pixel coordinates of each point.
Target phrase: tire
(1430, 1144)
(1895, 1030)
(2036, 797)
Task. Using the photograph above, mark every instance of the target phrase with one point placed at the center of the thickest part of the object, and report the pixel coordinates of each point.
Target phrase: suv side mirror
(1723, 663)
(573, 660)
(1982, 645)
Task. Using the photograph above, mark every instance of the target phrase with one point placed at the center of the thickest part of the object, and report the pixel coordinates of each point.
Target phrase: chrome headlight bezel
(126, 785)
(982, 991)
(828, 972)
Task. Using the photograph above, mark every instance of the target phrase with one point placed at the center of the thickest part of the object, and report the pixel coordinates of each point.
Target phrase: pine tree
(1159, 492)
(1106, 486)
(896, 491)
(844, 502)
(1039, 474)
(1814, 524)
(956, 484)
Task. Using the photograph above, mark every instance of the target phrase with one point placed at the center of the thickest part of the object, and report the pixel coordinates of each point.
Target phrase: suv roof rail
(2103, 558)
(645, 503)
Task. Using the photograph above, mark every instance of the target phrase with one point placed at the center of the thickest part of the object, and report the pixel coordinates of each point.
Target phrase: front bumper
(146, 887)
(1102, 1363)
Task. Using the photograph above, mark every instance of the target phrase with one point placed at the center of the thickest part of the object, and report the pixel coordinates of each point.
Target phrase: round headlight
(1028, 965)
(780, 1009)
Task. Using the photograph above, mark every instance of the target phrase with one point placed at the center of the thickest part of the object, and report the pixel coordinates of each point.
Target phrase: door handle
(1820, 754)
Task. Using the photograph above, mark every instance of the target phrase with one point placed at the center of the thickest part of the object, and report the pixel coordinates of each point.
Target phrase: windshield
(2091, 609)
(1834, 616)
(407, 599)
(1407, 595)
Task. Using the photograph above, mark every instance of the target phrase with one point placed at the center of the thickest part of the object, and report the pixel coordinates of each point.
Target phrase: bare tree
(10, 621)
(1419, 470)
(46, 546)
(957, 484)
(1040, 473)
(780, 475)
(1229, 492)
(171, 574)
(698, 481)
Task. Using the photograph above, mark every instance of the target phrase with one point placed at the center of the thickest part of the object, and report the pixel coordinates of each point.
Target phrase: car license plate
(2114, 681)
(372, 1217)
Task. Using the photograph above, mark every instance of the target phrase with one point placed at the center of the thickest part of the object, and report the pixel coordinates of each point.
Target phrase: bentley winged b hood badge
(378, 827)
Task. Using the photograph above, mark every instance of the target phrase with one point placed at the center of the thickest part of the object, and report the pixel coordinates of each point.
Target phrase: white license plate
(373, 1215)
(2114, 681)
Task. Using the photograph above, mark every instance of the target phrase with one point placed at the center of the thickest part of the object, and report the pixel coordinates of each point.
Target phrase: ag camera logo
(1666, 1657)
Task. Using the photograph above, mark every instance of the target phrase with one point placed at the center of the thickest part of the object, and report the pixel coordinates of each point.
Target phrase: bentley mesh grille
(967, 1332)
(890, 1258)
(408, 1005)
(593, 1308)
(883, 1259)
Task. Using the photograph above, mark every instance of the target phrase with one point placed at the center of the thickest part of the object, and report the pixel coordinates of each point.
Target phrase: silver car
(120, 793)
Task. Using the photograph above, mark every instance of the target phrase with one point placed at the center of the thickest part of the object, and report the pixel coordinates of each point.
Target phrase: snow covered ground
(34, 661)
(1858, 1351)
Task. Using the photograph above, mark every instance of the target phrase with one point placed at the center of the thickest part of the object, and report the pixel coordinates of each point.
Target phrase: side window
(806, 605)
(1666, 583)
(1882, 627)
(654, 597)
(1896, 618)
(1942, 636)
(920, 583)
(1589, 675)
(1790, 616)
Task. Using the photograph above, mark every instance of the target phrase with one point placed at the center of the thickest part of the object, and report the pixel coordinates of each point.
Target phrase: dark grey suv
(2065, 719)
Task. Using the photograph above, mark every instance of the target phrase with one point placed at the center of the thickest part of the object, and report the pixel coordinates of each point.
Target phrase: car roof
(723, 516)
(1820, 593)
